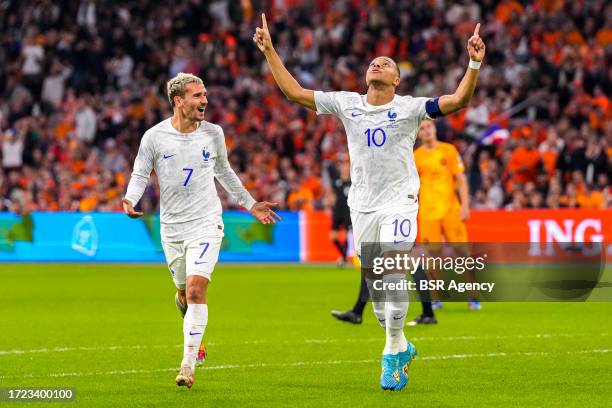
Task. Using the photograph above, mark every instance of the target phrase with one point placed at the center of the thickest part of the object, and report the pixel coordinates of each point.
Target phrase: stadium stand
(81, 81)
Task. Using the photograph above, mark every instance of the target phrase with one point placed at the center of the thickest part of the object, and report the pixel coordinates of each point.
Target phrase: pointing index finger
(475, 30)
(263, 21)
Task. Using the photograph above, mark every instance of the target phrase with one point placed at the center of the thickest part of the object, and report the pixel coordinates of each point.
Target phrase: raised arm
(285, 81)
(461, 98)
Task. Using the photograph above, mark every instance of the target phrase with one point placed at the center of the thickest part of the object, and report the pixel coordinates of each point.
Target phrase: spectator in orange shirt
(590, 199)
(524, 161)
(300, 198)
(508, 9)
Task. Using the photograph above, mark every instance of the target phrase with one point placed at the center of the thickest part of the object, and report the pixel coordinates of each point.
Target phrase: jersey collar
(377, 108)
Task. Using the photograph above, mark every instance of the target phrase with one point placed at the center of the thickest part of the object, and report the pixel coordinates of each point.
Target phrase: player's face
(193, 103)
(382, 71)
(427, 131)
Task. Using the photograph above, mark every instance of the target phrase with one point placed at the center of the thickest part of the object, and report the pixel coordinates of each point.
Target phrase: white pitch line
(306, 363)
(307, 341)
(84, 348)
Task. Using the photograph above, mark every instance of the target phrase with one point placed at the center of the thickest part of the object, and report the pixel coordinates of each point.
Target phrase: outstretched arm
(285, 81)
(461, 98)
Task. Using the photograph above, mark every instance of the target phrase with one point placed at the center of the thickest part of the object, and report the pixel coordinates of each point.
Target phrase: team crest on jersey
(205, 155)
(392, 115)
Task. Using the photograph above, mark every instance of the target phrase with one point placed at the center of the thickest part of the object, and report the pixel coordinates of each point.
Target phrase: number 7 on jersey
(188, 176)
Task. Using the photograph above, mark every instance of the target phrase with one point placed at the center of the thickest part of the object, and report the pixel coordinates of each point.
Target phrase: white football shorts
(396, 225)
(192, 257)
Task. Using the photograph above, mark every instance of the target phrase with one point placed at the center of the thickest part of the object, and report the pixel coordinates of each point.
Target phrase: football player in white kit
(187, 154)
(381, 128)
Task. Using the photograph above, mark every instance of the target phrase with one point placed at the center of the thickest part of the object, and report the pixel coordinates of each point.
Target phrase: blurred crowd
(80, 82)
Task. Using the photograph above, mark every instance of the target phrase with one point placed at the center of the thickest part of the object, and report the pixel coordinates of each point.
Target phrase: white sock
(396, 307)
(396, 341)
(194, 325)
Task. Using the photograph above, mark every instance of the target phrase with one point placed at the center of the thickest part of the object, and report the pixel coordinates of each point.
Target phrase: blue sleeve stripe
(433, 108)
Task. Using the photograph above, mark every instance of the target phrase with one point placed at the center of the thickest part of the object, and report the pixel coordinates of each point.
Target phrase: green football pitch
(113, 333)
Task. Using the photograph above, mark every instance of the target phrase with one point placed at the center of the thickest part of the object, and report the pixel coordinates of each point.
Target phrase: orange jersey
(437, 169)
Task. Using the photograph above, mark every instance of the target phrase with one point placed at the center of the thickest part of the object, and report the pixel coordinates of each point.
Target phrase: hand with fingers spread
(264, 213)
(128, 208)
(262, 38)
(476, 46)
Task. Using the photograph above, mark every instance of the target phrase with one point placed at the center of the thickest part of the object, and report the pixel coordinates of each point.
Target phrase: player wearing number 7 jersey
(187, 154)
(381, 128)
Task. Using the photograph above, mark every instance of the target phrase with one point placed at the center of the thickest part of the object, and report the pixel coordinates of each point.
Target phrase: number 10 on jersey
(376, 137)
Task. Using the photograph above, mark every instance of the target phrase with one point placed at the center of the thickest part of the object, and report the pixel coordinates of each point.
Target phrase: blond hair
(176, 86)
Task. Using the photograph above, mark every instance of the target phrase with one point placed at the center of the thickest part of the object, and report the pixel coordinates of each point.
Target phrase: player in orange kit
(444, 200)
(441, 171)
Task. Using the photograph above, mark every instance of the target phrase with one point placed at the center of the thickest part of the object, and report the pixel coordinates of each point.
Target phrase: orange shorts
(450, 227)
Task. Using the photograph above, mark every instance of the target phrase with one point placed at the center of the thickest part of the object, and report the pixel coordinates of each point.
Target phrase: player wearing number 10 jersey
(381, 128)
(187, 154)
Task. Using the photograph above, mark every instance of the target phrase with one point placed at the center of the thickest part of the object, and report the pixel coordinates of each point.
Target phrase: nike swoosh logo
(353, 114)
(399, 242)
(168, 156)
(399, 318)
(200, 263)
(193, 334)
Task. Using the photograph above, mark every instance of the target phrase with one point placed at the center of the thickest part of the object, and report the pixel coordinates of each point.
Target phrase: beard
(195, 115)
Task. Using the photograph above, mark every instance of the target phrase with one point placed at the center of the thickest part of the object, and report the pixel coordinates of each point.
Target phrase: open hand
(476, 46)
(261, 38)
(263, 212)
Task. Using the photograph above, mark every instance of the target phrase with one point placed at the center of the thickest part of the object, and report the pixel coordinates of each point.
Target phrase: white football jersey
(380, 143)
(186, 165)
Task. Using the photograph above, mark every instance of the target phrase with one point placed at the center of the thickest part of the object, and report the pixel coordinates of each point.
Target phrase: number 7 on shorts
(205, 246)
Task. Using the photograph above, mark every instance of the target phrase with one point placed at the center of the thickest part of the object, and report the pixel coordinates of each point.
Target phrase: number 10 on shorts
(402, 229)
